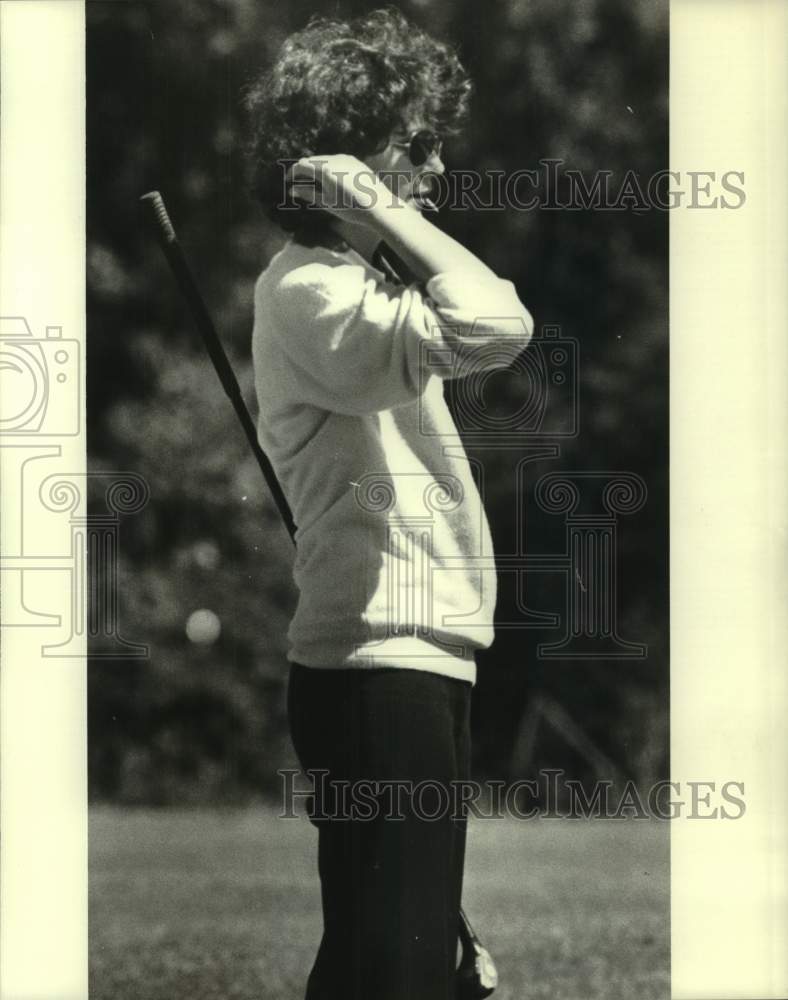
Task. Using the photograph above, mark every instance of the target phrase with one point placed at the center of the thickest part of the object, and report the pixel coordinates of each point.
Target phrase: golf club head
(476, 976)
(478, 979)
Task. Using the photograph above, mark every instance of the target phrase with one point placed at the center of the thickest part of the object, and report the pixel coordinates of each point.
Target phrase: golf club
(476, 974)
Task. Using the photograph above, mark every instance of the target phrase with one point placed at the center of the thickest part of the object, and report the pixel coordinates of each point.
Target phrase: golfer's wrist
(399, 224)
(426, 249)
(385, 212)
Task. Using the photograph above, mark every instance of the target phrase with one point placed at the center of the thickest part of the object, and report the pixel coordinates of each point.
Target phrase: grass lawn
(207, 905)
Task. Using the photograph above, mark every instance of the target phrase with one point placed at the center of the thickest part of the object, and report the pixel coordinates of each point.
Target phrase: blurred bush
(584, 81)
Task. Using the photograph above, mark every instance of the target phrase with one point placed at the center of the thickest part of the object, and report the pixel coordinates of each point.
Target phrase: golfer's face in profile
(405, 165)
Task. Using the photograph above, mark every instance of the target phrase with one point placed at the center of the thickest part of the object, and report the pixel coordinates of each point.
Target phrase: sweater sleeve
(359, 345)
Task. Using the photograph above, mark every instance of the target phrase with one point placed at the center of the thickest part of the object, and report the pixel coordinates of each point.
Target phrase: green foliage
(584, 82)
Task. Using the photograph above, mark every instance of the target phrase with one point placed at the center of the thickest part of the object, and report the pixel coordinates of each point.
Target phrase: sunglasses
(421, 146)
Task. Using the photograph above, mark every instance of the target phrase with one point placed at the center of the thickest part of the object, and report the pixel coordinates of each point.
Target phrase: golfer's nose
(435, 164)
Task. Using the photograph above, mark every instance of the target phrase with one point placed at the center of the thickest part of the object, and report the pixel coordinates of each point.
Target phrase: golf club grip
(168, 241)
(166, 230)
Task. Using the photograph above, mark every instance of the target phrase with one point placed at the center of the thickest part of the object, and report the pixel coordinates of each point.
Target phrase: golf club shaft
(176, 258)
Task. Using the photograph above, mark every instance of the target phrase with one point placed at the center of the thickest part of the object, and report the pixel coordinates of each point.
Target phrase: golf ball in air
(203, 627)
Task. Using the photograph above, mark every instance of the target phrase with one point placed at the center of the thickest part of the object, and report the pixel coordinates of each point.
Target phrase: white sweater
(394, 561)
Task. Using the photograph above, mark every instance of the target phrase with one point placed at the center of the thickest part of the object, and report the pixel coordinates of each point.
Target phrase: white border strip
(43, 936)
(729, 603)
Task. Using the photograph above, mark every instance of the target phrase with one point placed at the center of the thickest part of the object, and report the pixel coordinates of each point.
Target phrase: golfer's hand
(342, 185)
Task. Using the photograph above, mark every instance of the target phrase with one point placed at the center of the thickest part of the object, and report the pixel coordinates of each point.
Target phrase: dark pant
(391, 887)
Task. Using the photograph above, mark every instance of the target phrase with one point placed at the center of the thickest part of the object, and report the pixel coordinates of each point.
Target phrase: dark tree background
(582, 81)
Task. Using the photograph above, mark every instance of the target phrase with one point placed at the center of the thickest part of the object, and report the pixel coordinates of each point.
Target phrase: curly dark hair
(346, 87)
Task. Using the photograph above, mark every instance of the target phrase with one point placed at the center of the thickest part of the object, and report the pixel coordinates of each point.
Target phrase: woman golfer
(394, 559)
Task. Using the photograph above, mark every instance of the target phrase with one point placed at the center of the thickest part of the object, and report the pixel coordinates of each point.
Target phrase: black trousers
(391, 884)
